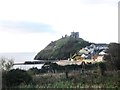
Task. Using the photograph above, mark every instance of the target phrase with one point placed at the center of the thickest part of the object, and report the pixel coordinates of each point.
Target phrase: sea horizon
(21, 57)
(18, 57)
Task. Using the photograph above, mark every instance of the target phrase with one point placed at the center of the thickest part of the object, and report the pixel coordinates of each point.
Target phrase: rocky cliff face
(61, 49)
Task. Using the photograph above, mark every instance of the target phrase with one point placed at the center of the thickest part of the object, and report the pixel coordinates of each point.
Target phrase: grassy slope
(61, 49)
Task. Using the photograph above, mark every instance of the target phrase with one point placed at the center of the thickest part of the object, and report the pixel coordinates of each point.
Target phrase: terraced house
(92, 53)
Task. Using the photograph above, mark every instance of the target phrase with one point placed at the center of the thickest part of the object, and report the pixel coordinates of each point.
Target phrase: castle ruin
(74, 34)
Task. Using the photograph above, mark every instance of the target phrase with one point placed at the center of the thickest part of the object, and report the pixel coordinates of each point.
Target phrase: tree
(113, 57)
(15, 77)
(6, 64)
(102, 67)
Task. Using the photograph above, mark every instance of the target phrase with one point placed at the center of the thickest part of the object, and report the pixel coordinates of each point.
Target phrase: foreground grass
(75, 80)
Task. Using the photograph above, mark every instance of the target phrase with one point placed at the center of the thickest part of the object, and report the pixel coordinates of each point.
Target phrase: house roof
(102, 53)
(83, 55)
(83, 51)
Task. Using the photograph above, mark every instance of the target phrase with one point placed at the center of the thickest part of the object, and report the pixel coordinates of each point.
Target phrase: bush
(15, 77)
(33, 71)
(102, 67)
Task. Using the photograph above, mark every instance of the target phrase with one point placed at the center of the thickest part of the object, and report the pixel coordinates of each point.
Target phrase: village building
(92, 53)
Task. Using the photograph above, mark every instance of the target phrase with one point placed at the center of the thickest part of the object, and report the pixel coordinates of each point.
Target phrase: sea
(21, 57)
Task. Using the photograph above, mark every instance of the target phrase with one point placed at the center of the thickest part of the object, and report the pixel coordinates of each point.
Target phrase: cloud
(32, 42)
(26, 27)
(95, 20)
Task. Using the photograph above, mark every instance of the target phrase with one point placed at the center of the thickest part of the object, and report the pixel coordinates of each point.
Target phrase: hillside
(61, 49)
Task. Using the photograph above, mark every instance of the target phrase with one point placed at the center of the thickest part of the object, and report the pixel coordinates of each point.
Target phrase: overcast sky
(29, 25)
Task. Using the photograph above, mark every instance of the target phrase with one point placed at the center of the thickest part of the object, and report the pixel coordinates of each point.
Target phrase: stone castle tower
(74, 34)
